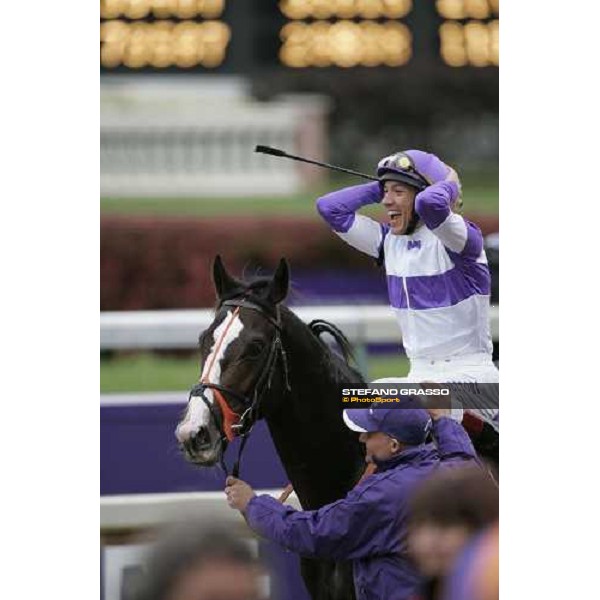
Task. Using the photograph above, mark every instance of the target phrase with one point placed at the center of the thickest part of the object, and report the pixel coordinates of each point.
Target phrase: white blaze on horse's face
(197, 414)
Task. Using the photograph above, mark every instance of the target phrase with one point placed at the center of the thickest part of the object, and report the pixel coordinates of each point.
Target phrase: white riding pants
(473, 368)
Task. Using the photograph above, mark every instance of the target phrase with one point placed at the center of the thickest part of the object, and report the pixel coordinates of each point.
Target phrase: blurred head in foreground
(475, 576)
(196, 562)
(446, 511)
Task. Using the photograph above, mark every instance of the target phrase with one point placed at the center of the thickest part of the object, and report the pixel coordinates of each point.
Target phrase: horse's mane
(320, 326)
(340, 367)
(346, 373)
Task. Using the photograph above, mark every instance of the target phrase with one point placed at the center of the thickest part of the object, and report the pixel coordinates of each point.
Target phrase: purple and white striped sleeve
(339, 208)
(457, 234)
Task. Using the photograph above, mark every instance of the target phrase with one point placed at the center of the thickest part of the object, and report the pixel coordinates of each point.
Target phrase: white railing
(144, 514)
(195, 138)
(171, 329)
(138, 511)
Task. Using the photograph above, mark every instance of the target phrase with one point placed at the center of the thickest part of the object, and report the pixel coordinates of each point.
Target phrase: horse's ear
(281, 282)
(224, 282)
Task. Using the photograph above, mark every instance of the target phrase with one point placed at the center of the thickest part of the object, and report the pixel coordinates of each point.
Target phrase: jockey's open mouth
(395, 218)
(399, 221)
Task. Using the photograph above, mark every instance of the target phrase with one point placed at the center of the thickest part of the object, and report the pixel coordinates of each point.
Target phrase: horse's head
(242, 355)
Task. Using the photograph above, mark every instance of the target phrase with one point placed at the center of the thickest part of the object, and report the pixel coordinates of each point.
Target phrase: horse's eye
(254, 348)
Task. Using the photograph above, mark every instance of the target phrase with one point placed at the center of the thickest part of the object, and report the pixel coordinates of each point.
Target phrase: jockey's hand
(452, 176)
(238, 493)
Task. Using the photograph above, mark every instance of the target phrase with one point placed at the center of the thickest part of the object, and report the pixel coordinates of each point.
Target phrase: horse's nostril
(202, 439)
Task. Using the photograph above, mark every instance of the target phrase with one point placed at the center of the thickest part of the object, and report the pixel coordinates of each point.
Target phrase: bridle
(233, 424)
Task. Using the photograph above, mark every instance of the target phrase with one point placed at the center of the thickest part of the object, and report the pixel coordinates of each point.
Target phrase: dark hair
(456, 496)
(188, 545)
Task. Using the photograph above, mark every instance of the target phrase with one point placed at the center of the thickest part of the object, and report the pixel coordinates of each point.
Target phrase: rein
(234, 424)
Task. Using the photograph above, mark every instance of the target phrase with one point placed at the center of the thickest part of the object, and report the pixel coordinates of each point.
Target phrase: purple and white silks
(339, 208)
(438, 278)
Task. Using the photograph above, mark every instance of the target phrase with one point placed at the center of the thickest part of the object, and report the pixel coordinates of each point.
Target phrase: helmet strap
(412, 225)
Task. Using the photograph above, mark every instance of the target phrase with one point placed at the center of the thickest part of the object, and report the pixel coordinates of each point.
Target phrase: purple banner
(139, 453)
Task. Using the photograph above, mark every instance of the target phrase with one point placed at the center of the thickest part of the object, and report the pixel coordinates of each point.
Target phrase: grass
(480, 196)
(153, 373)
(388, 366)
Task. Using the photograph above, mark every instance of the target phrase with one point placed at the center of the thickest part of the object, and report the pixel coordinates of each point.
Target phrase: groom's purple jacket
(368, 526)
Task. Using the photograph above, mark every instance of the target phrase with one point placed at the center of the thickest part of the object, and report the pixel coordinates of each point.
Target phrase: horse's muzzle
(201, 450)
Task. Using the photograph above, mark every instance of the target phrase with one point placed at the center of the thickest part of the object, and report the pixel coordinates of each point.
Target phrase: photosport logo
(476, 396)
(390, 395)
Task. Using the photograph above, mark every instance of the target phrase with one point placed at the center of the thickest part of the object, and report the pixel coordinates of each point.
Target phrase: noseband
(234, 424)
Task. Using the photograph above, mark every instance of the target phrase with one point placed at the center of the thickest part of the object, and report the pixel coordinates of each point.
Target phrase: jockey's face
(399, 202)
(379, 445)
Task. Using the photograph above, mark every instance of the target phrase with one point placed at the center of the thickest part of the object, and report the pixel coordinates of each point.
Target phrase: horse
(261, 361)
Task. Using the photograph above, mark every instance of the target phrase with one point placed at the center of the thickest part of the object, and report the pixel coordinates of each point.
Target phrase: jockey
(437, 273)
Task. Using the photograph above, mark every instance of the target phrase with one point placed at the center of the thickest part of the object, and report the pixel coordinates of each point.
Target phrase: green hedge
(155, 263)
